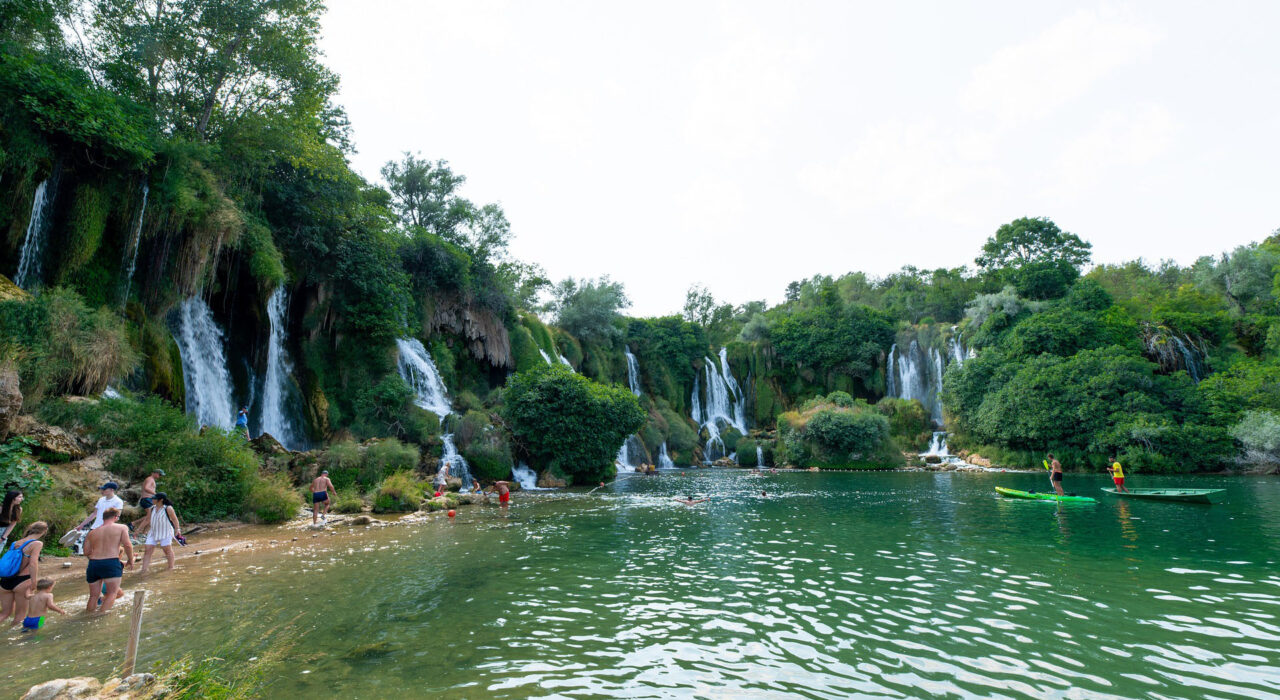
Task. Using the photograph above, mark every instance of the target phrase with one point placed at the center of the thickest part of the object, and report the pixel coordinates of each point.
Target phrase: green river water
(834, 586)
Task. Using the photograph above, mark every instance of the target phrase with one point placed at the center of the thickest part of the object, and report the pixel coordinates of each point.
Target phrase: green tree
(1244, 277)
(568, 423)
(589, 309)
(1035, 256)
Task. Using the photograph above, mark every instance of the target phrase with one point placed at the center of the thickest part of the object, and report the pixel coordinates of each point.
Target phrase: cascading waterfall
(526, 477)
(759, 457)
(664, 459)
(279, 389)
(565, 361)
(725, 405)
(916, 374)
(633, 373)
(417, 369)
(132, 252)
(204, 365)
(1190, 360)
(30, 264)
(545, 356)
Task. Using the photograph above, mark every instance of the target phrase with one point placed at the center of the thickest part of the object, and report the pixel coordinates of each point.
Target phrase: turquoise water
(832, 586)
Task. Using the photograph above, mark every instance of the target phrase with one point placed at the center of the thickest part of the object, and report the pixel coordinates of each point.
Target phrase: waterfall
(278, 386)
(1190, 360)
(526, 477)
(664, 459)
(204, 365)
(30, 264)
(565, 361)
(759, 457)
(633, 373)
(132, 252)
(420, 372)
(417, 369)
(725, 404)
(916, 374)
(632, 452)
(937, 445)
(545, 356)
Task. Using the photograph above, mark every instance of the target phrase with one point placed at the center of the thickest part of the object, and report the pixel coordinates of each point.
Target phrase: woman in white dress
(164, 530)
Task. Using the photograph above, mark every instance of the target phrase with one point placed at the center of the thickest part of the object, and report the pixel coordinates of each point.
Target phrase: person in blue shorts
(320, 488)
(41, 604)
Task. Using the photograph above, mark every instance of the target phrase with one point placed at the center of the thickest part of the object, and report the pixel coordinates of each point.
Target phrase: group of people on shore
(323, 491)
(107, 544)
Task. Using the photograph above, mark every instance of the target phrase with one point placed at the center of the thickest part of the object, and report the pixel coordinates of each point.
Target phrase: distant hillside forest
(169, 171)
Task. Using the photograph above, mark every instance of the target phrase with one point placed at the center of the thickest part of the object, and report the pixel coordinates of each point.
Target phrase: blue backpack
(11, 562)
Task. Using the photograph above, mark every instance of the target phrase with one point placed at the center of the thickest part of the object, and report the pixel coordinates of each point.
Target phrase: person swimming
(690, 500)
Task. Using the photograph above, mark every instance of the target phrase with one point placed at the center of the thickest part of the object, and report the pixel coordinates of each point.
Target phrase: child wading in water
(41, 604)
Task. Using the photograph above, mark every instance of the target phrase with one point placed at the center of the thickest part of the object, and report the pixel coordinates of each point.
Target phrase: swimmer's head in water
(690, 498)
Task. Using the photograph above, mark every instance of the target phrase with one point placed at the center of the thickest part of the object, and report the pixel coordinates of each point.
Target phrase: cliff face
(483, 332)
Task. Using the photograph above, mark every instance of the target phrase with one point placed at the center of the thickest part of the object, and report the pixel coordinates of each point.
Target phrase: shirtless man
(147, 500)
(504, 492)
(320, 488)
(691, 501)
(105, 569)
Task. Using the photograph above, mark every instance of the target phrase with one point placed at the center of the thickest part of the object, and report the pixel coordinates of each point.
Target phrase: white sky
(742, 145)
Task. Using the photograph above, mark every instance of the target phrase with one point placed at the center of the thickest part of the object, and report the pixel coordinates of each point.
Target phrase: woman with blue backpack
(19, 569)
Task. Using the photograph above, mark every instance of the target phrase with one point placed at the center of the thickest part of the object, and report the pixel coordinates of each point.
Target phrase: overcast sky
(742, 145)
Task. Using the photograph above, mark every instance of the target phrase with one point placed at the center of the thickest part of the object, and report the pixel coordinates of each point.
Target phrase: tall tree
(1035, 256)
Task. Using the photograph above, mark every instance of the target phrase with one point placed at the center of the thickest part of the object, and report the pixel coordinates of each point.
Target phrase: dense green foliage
(17, 467)
(838, 433)
(566, 423)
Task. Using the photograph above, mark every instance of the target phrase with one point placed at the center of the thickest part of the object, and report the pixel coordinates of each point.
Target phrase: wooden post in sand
(135, 631)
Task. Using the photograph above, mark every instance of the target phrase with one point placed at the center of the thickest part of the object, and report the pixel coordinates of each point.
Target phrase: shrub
(348, 501)
(680, 436)
(471, 428)
(747, 453)
(568, 422)
(17, 467)
(398, 493)
(62, 508)
(270, 499)
(420, 425)
(1259, 433)
(63, 346)
(840, 398)
(909, 424)
(847, 435)
(385, 457)
(343, 460)
(489, 460)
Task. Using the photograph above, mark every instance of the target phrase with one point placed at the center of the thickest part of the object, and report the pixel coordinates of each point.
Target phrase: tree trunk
(211, 97)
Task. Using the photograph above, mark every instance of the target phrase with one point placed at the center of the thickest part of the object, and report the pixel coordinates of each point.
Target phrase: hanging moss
(265, 262)
(85, 225)
(163, 363)
(524, 352)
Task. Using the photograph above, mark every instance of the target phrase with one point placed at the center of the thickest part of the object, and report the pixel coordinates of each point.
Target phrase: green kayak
(1033, 496)
(1179, 495)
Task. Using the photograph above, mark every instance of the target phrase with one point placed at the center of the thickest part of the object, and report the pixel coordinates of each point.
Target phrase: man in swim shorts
(691, 501)
(504, 492)
(1055, 474)
(105, 570)
(320, 488)
(1117, 475)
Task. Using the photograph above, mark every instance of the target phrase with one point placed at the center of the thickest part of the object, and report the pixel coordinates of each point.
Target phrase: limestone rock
(10, 399)
(547, 481)
(267, 445)
(978, 460)
(51, 438)
(360, 520)
(81, 688)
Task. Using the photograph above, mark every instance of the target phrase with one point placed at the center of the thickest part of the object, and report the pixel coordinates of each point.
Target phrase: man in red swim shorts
(504, 491)
(1117, 475)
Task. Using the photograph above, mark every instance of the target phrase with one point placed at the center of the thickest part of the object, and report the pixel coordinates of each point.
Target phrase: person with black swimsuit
(1055, 474)
(13, 589)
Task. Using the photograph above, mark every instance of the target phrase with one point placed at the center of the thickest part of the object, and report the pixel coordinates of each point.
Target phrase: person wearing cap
(108, 500)
(320, 488)
(148, 498)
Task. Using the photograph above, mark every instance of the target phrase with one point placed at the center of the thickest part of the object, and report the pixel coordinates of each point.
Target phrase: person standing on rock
(105, 570)
(148, 499)
(164, 529)
(242, 422)
(320, 488)
(441, 481)
(10, 515)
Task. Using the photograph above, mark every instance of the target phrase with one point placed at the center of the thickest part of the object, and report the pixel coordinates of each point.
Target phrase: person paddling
(1055, 474)
(1117, 475)
(105, 570)
(320, 488)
